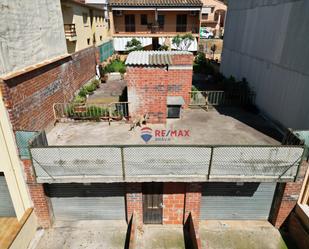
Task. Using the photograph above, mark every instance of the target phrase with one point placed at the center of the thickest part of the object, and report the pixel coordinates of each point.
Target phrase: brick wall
(134, 202)
(40, 201)
(29, 96)
(179, 200)
(193, 202)
(286, 197)
(147, 92)
(148, 87)
(173, 203)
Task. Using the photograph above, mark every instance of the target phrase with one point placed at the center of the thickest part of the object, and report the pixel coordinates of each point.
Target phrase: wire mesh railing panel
(77, 161)
(167, 161)
(256, 161)
(22, 140)
(97, 111)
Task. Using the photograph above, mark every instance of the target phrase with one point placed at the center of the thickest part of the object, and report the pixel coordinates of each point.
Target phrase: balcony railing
(143, 163)
(156, 29)
(69, 31)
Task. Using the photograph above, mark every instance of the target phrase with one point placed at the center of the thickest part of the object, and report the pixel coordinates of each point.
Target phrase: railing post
(210, 162)
(122, 164)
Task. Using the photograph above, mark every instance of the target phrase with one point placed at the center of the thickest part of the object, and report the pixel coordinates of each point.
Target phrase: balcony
(70, 32)
(152, 30)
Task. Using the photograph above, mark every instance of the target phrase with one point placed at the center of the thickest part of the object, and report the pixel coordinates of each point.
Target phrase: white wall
(31, 31)
(267, 41)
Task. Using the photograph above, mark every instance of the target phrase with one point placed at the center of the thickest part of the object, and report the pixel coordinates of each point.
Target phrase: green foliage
(96, 112)
(183, 42)
(83, 92)
(164, 48)
(79, 100)
(134, 45)
(82, 112)
(194, 88)
(202, 65)
(115, 65)
(90, 87)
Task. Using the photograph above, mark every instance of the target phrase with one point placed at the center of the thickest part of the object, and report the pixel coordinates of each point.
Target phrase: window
(85, 19)
(144, 19)
(161, 21)
(88, 41)
(101, 38)
(212, 9)
(205, 16)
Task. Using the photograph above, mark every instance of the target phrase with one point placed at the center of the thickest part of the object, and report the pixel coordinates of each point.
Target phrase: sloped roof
(152, 58)
(155, 3)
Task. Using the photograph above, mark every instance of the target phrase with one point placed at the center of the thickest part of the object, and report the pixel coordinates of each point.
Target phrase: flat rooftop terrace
(218, 126)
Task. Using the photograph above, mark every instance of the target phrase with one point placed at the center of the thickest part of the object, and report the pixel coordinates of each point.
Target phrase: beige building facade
(16, 216)
(84, 25)
(213, 16)
(154, 23)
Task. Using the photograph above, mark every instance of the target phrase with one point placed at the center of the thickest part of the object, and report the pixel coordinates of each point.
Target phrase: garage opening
(95, 201)
(237, 201)
(6, 205)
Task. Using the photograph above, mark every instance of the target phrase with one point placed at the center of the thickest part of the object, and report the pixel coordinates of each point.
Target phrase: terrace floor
(216, 234)
(218, 126)
(84, 235)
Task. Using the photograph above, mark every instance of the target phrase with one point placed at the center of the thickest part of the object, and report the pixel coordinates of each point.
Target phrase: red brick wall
(134, 202)
(29, 97)
(173, 203)
(40, 200)
(286, 198)
(147, 92)
(193, 202)
(148, 87)
(179, 200)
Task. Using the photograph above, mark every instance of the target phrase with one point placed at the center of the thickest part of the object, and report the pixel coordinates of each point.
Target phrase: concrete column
(218, 26)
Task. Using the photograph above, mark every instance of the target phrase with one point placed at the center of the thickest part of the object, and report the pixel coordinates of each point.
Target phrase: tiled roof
(152, 58)
(155, 3)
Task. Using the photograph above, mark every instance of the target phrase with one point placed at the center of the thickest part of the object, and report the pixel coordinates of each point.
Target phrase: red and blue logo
(146, 134)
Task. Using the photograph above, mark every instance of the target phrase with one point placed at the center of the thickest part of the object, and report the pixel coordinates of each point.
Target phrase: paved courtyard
(84, 235)
(240, 235)
(160, 237)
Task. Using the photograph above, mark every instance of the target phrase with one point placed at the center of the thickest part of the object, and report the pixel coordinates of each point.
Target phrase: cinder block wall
(148, 87)
(29, 96)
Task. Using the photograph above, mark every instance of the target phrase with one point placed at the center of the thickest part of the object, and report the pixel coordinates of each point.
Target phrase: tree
(134, 45)
(213, 48)
(183, 42)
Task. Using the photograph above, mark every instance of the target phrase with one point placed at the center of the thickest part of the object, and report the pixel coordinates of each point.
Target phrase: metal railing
(100, 112)
(69, 30)
(215, 98)
(129, 163)
(151, 28)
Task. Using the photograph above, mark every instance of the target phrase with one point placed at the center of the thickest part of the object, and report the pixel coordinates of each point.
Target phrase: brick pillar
(193, 203)
(39, 199)
(286, 197)
(134, 201)
(173, 203)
